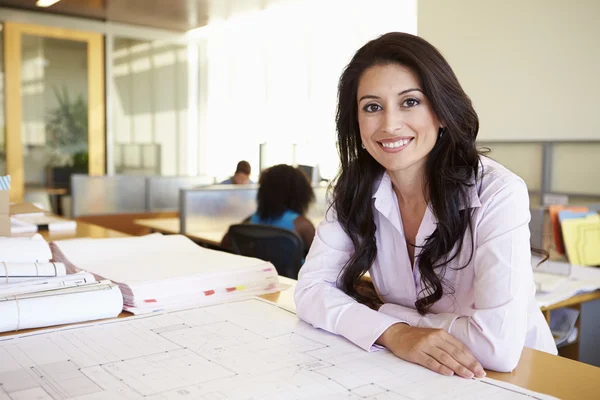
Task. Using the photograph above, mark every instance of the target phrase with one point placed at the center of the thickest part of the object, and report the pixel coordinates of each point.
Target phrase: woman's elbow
(502, 356)
(302, 299)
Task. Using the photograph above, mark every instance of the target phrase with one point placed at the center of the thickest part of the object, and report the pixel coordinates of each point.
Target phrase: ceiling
(177, 15)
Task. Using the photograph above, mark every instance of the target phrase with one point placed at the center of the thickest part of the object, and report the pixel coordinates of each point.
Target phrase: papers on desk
(553, 288)
(11, 272)
(163, 272)
(58, 302)
(35, 292)
(24, 249)
(45, 222)
(562, 325)
(249, 349)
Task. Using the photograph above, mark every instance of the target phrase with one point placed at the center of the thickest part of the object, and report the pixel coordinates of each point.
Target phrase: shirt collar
(384, 193)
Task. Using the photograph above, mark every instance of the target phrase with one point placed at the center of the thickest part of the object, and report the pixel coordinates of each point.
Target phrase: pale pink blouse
(492, 310)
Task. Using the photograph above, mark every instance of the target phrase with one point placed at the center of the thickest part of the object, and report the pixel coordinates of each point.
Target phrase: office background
(187, 89)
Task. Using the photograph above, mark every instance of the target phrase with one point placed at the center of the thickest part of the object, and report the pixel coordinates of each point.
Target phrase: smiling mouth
(395, 145)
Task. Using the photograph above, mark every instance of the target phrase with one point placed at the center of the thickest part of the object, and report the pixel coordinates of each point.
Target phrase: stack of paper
(35, 292)
(45, 222)
(162, 272)
(554, 287)
(24, 249)
(11, 272)
(562, 325)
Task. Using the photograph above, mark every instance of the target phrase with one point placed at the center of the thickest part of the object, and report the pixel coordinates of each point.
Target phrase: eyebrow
(370, 96)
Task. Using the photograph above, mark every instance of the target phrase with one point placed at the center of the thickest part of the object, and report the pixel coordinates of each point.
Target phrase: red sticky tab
(209, 292)
(230, 289)
(150, 301)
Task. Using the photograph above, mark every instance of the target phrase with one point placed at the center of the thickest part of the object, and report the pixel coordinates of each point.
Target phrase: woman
(283, 199)
(442, 230)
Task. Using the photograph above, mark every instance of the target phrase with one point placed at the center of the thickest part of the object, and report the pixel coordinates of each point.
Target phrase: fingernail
(480, 373)
(469, 375)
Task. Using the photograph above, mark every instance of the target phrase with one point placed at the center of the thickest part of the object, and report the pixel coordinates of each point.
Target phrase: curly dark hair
(451, 167)
(282, 188)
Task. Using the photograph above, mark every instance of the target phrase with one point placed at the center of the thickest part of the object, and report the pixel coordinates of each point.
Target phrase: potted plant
(67, 138)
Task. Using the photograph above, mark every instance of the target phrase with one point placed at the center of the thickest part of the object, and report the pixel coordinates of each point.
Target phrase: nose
(393, 121)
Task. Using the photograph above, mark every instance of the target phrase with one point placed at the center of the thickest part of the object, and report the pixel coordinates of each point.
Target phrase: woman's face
(397, 125)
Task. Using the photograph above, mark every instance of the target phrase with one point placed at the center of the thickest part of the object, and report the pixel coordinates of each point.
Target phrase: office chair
(283, 248)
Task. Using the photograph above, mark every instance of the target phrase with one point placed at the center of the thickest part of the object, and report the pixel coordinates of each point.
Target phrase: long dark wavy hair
(451, 166)
(282, 188)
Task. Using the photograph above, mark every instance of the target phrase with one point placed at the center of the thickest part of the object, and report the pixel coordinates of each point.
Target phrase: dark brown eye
(371, 108)
(409, 103)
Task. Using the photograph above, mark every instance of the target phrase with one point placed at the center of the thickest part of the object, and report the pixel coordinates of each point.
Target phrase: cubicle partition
(100, 195)
(554, 171)
(206, 213)
(163, 191)
(120, 194)
(213, 209)
(116, 202)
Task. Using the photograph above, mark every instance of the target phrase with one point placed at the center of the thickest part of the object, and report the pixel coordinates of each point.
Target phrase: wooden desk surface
(205, 230)
(537, 371)
(211, 235)
(83, 230)
(163, 225)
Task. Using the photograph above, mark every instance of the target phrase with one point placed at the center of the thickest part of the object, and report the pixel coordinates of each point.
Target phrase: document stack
(35, 292)
(557, 281)
(27, 217)
(165, 272)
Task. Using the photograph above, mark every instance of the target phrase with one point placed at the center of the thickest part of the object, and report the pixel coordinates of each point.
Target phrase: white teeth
(393, 145)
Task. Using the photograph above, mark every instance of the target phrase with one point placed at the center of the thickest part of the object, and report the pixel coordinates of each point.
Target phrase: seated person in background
(283, 199)
(241, 176)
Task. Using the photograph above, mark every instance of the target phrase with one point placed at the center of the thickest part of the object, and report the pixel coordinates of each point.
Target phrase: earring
(362, 145)
(441, 133)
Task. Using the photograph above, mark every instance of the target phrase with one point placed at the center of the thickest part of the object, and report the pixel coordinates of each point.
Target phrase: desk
(207, 230)
(211, 235)
(538, 371)
(83, 230)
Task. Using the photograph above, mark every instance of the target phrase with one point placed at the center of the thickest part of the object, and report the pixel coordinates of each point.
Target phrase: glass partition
(55, 109)
(98, 195)
(163, 191)
(206, 213)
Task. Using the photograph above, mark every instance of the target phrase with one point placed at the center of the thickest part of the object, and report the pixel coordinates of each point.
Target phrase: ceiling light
(46, 3)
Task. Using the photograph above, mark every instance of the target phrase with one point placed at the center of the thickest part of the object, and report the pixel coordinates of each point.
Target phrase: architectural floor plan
(249, 349)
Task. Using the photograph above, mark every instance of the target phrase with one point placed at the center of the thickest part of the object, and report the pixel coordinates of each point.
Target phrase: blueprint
(248, 349)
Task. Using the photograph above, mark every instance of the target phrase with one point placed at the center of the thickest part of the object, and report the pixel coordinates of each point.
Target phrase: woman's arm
(495, 334)
(320, 303)
(318, 299)
(306, 230)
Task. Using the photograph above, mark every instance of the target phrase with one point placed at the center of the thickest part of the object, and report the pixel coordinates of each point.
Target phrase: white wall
(150, 99)
(532, 70)
(530, 67)
(270, 75)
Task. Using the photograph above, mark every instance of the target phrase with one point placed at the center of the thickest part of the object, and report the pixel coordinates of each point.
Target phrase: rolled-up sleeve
(496, 331)
(322, 304)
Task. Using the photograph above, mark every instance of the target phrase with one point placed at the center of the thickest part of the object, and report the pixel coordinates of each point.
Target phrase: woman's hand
(434, 349)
